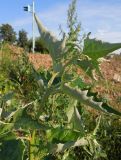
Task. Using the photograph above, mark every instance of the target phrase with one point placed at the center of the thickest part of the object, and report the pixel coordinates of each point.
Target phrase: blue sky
(101, 17)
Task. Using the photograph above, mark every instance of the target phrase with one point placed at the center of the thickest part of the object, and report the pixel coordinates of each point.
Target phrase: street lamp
(31, 9)
(27, 8)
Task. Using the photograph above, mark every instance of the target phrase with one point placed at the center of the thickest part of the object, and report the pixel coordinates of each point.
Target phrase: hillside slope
(109, 87)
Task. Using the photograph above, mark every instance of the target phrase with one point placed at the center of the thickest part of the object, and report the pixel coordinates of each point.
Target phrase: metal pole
(33, 39)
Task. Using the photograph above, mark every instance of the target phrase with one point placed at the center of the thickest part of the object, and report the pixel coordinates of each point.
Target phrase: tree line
(7, 34)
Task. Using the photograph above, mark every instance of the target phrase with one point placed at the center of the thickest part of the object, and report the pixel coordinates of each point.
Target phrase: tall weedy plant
(42, 130)
(87, 59)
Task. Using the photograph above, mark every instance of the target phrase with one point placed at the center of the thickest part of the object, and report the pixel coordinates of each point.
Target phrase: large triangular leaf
(55, 46)
(96, 48)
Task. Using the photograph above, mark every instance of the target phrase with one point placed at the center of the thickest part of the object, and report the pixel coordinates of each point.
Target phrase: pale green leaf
(62, 135)
(89, 99)
(96, 49)
(61, 147)
(74, 117)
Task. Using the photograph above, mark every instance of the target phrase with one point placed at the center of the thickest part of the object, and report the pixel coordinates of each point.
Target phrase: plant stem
(31, 146)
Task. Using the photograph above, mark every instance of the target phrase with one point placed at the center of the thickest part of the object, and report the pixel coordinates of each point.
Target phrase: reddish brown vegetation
(40, 60)
(110, 86)
(112, 67)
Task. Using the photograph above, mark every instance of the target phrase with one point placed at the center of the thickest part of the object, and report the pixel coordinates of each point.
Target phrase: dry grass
(40, 60)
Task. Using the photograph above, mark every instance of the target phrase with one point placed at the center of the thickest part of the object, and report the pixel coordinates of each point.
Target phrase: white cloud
(103, 21)
(54, 17)
(99, 10)
(108, 36)
(55, 14)
(22, 22)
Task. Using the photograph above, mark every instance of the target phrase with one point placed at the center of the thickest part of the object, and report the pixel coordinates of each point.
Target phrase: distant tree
(29, 45)
(22, 38)
(39, 46)
(7, 33)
